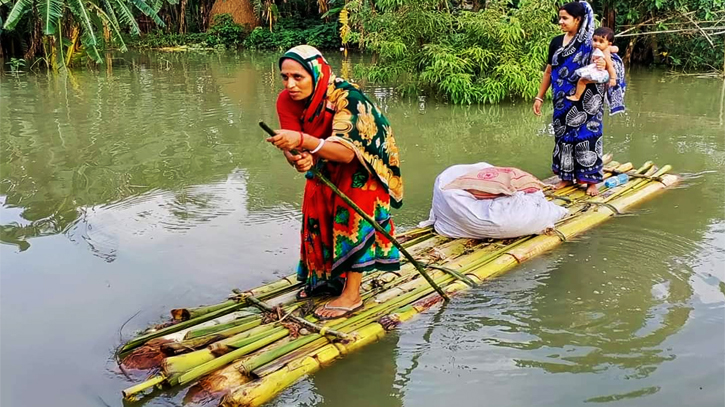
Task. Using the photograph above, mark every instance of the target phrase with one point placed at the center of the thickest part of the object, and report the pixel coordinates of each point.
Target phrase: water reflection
(136, 134)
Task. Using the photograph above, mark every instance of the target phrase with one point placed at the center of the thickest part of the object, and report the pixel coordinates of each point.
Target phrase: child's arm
(610, 68)
(613, 49)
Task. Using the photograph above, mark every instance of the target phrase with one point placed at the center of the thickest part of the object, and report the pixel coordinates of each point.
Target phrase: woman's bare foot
(562, 184)
(592, 190)
(572, 98)
(347, 301)
(338, 307)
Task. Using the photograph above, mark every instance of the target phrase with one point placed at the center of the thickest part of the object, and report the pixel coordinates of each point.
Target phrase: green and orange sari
(335, 238)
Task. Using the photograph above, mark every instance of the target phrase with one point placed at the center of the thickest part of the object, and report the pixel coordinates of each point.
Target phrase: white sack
(456, 213)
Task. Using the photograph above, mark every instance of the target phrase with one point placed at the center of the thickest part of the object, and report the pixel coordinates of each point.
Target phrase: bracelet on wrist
(302, 139)
(539, 99)
(319, 146)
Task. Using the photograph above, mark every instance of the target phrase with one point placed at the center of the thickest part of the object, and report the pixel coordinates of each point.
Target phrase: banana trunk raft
(246, 350)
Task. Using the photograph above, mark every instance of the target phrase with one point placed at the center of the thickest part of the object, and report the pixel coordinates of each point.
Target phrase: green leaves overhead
(50, 12)
(17, 12)
(91, 16)
(148, 11)
(125, 17)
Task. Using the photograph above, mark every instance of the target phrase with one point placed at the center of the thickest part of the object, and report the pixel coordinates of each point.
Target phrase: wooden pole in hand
(367, 217)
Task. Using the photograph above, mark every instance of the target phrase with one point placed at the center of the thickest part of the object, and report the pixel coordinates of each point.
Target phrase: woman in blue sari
(577, 125)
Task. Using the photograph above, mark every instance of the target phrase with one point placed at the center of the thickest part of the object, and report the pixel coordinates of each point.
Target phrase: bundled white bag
(457, 213)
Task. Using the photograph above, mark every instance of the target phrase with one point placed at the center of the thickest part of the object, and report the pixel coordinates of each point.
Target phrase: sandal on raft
(348, 311)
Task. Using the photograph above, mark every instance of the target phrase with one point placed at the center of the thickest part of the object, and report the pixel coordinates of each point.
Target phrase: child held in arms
(602, 41)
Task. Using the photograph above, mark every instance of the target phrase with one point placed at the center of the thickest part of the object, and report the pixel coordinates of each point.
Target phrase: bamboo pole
(223, 360)
(179, 364)
(262, 391)
(197, 342)
(226, 327)
(367, 218)
(140, 340)
(263, 291)
(132, 392)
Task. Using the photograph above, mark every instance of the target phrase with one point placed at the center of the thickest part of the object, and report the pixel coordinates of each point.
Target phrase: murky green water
(149, 187)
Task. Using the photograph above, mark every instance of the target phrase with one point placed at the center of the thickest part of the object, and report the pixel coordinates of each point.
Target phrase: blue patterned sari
(577, 125)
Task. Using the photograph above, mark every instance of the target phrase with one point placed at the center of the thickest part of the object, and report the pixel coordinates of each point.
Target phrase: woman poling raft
(335, 127)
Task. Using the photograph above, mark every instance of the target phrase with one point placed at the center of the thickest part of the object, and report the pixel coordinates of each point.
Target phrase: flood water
(130, 191)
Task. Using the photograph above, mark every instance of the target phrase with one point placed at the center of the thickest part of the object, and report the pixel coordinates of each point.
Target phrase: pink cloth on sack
(494, 182)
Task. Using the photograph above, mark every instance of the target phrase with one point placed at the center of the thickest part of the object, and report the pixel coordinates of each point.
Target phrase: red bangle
(302, 139)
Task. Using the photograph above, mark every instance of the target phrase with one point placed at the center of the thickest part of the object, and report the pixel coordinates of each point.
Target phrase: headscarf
(316, 65)
(357, 123)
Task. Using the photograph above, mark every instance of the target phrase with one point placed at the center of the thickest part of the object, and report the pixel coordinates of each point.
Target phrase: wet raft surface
(246, 350)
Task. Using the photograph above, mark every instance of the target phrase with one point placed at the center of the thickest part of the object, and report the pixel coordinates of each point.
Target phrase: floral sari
(335, 238)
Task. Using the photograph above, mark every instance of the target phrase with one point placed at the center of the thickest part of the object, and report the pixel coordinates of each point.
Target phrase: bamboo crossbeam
(317, 328)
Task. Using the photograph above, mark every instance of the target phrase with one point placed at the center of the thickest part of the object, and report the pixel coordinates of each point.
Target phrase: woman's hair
(605, 32)
(575, 9)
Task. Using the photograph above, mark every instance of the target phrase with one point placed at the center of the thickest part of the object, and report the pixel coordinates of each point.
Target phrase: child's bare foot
(573, 98)
(592, 190)
(562, 184)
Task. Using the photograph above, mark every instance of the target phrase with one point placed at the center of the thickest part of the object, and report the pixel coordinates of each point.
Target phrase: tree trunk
(36, 38)
(609, 16)
(654, 47)
(182, 18)
(630, 49)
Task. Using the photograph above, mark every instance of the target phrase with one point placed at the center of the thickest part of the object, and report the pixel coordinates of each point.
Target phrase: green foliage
(462, 56)
(92, 16)
(686, 50)
(290, 32)
(224, 31)
(16, 65)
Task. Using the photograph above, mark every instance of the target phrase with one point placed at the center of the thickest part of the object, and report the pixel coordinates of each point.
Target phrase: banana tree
(89, 18)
